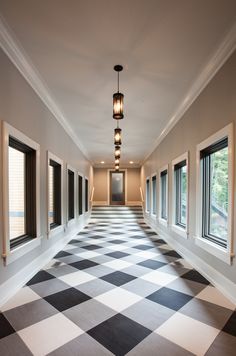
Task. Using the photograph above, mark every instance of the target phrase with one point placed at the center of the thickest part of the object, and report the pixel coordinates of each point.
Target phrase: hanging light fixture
(117, 167)
(117, 161)
(117, 152)
(118, 98)
(117, 136)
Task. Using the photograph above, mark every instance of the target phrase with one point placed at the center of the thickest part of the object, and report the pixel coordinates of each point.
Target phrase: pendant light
(117, 136)
(118, 98)
(117, 161)
(117, 167)
(117, 152)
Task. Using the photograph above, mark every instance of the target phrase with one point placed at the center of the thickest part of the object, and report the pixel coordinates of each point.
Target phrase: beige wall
(101, 185)
(213, 110)
(24, 110)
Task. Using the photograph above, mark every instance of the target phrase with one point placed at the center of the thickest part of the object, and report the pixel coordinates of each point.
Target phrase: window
(86, 194)
(163, 194)
(80, 194)
(147, 195)
(20, 191)
(214, 165)
(214, 191)
(71, 194)
(154, 195)
(54, 191)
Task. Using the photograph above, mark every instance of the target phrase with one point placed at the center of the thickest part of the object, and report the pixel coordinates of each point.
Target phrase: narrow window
(154, 195)
(181, 193)
(214, 168)
(54, 182)
(22, 192)
(147, 195)
(163, 186)
(80, 193)
(71, 191)
(86, 194)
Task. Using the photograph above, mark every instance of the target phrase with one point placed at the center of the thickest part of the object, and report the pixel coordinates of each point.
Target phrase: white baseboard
(13, 284)
(225, 285)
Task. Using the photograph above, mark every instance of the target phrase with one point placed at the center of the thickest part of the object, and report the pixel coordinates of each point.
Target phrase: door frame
(108, 184)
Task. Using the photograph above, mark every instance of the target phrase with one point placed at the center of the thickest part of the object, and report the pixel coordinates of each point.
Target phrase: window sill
(22, 250)
(70, 222)
(217, 251)
(153, 216)
(57, 230)
(163, 222)
(180, 231)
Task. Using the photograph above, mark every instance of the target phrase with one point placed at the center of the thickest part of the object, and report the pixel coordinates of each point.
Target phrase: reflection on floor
(118, 289)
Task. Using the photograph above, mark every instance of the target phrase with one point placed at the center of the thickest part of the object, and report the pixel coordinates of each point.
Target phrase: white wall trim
(23, 63)
(18, 280)
(225, 285)
(216, 61)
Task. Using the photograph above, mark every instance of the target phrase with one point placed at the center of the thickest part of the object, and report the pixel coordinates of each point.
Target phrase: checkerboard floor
(118, 289)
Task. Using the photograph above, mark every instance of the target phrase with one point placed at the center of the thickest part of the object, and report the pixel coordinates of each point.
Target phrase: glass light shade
(118, 106)
(117, 152)
(117, 136)
(117, 167)
(117, 161)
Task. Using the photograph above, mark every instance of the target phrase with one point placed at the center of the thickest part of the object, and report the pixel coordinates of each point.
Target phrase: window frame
(224, 254)
(178, 228)
(154, 215)
(11, 254)
(59, 228)
(72, 220)
(147, 206)
(161, 219)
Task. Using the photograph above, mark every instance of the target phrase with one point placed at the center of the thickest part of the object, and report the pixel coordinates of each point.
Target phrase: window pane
(147, 195)
(183, 195)
(163, 196)
(154, 196)
(219, 193)
(16, 193)
(51, 198)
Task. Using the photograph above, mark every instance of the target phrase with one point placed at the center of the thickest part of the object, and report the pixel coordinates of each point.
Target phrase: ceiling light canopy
(118, 98)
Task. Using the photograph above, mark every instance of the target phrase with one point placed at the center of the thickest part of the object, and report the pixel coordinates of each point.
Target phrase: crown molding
(15, 52)
(219, 57)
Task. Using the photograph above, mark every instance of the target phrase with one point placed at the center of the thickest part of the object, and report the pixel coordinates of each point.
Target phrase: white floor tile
(88, 254)
(49, 334)
(159, 278)
(118, 299)
(118, 247)
(76, 278)
(147, 254)
(213, 295)
(188, 333)
(25, 295)
(117, 264)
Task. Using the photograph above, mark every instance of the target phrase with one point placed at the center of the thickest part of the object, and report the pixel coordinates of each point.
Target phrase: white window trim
(153, 216)
(178, 229)
(86, 212)
(71, 221)
(77, 199)
(160, 219)
(148, 211)
(225, 255)
(8, 254)
(60, 228)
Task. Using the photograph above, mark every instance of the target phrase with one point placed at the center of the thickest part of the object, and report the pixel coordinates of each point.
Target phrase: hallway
(118, 289)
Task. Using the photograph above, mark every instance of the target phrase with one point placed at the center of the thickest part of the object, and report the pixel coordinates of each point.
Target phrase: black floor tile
(119, 334)
(118, 278)
(172, 253)
(41, 276)
(117, 254)
(62, 254)
(195, 276)
(230, 326)
(116, 242)
(83, 264)
(152, 264)
(5, 327)
(170, 298)
(66, 299)
(143, 247)
(91, 247)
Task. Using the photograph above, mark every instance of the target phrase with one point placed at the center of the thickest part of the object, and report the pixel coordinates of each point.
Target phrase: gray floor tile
(149, 314)
(49, 287)
(13, 345)
(62, 270)
(95, 287)
(224, 345)
(141, 287)
(186, 286)
(29, 313)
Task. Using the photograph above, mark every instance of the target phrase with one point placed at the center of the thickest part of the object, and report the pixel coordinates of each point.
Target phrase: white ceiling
(164, 46)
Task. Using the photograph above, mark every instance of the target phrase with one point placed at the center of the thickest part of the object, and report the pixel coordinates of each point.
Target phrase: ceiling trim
(20, 59)
(219, 57)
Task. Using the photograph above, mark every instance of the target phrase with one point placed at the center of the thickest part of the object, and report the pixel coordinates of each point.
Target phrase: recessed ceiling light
(131, 162)
(102, 162)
